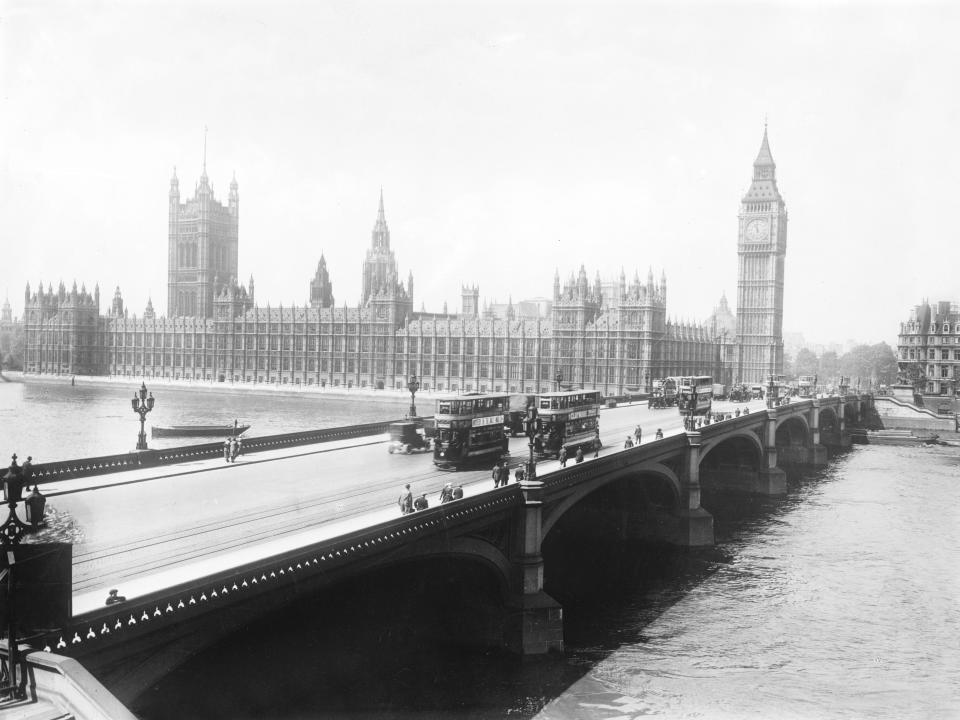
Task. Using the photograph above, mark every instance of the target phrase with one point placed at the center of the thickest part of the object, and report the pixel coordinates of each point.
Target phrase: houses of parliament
(613, 336)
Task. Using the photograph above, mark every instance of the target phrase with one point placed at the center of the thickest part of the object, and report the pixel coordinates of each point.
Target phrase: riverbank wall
(401, 397)
(897, 414)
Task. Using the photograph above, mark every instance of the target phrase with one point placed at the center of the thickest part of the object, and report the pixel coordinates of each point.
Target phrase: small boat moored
(160, 431)
(894, 437)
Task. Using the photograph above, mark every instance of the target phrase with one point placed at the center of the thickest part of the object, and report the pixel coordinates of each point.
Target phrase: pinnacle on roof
(203, 175)
(764, 157)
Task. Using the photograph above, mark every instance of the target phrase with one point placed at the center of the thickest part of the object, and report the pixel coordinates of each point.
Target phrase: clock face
(758, 230)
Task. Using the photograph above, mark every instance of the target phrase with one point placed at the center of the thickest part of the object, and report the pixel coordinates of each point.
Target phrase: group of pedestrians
(578, 456)
(501, 474)
(231, 448)
(408, 503)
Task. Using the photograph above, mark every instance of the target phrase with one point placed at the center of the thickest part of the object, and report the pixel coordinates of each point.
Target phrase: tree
(806, 363)
(870, 363)
(829, 367)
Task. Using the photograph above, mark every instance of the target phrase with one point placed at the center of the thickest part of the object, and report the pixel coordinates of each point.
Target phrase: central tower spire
(381, 233)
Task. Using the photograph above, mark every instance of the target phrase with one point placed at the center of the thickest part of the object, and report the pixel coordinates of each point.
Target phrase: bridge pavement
(149, 529)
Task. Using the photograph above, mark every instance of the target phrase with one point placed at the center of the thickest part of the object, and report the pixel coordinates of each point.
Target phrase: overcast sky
(510, 139)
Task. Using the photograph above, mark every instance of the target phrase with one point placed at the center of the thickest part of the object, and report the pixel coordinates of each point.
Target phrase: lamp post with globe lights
(533, 428)
(142, 405)
(11, 532)
(413, 386)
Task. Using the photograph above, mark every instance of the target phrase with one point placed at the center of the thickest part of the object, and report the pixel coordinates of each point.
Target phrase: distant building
(11, 337)
(928, 347)
(614, 336)
(202, 247)
(762, 248)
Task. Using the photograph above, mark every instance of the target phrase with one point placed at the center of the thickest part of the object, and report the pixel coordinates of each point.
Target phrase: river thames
(840, 601)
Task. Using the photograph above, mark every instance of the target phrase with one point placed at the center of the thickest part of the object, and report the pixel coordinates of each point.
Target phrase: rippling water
(57, 421)
(841, 602)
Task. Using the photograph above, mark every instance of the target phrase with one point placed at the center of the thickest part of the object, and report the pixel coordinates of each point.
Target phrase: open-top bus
(807, 386)
(568, 420)
(469, 430)
(695, 394)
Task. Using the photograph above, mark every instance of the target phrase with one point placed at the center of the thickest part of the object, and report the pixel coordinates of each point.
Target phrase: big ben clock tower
(762, 247)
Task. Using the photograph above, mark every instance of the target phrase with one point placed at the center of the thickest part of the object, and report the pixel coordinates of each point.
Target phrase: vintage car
(407, 437)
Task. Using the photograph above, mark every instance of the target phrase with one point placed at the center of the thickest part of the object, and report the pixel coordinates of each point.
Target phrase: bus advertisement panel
(469, 430)
(567, 420)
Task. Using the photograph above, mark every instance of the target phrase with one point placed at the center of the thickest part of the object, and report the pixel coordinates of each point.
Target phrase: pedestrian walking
(504, 474)
(628, 443)
(519, 474)
(405, 501)
(597, 445)
(236, 449)
(421, 502)
(638, 433)
(562, 456)
(458, 492)
(446, 494)
(226, 450)
(27, 469)
(579, 454)
(495, 474)
(659, 435)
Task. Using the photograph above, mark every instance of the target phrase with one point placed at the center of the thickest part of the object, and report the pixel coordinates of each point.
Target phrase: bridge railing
(104, 464)
(316, 561)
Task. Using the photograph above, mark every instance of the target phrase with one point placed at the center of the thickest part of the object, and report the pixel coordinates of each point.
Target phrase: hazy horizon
(511, 140)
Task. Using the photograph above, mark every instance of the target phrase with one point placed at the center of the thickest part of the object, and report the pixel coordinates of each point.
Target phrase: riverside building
(614, 336)
(928, 346)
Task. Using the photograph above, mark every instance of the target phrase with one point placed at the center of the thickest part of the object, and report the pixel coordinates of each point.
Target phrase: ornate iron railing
(84, 467)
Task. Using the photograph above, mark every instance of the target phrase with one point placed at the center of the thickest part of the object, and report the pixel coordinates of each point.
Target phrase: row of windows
(935, 340)
(915, 328)
(917, 354)
(512, 371)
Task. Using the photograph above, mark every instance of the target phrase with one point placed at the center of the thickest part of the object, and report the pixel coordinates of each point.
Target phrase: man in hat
(421, 502)
(405, 501)
(446, 494)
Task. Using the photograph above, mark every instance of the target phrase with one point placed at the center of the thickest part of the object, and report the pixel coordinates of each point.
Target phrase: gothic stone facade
(614, 337)
(203, 239)
(762, 249)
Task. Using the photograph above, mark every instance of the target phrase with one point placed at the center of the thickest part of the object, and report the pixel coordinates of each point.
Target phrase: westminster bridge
(202, 579)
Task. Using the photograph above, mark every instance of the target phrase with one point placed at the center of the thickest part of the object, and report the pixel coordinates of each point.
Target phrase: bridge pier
(771, 480)
(816, 453)
(534, 621)
(694, 524)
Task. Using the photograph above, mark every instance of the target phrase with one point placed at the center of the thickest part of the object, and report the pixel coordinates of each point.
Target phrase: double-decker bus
(568, 420)
(469, 430)
(807, 386)
(695, 394)
(664, 393)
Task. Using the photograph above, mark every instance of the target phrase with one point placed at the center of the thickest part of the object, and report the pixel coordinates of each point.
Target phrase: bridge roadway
(149, 529)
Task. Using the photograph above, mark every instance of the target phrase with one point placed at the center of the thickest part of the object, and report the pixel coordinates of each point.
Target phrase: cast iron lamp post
(413, 386)
(10, 533)
(533, 427)
(142, 405)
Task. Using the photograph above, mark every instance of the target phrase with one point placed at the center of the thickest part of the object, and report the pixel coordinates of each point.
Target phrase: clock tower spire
(762, 248)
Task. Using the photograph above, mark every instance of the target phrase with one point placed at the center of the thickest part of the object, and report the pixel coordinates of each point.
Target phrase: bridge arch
(743, 446)
(793, 430)
(465, 548)
(829, 426)
(664, 476)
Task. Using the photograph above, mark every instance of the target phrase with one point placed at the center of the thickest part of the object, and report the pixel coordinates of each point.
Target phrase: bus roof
(471, 396)
(565, 393)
